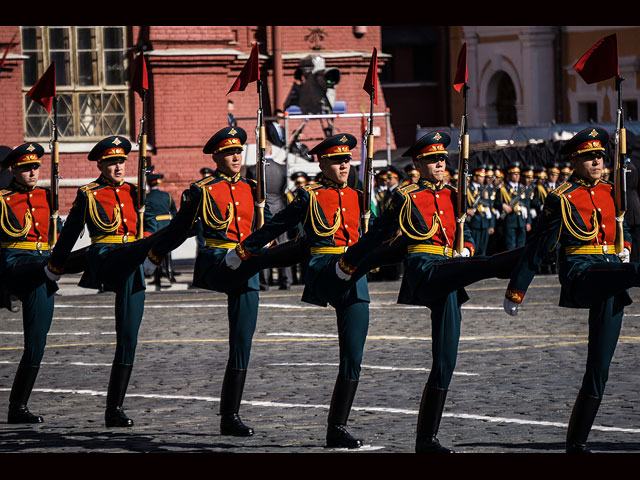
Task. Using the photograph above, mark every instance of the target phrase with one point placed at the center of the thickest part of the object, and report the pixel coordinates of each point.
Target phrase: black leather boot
(582, 417)
(20, 391)
(230, 398)
(431, 408)
(344, 392)
(114, 415)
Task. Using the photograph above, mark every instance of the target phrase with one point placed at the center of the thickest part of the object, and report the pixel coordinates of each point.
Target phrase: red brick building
(190, 72)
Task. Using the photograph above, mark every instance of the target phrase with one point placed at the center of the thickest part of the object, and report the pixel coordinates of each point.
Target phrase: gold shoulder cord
(319, 227)
(406, 225)
(209, 216)
(571, 226)
(6, 225)
(95, 215)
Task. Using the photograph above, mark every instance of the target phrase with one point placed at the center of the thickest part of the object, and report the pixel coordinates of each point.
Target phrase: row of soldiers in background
(502, 206)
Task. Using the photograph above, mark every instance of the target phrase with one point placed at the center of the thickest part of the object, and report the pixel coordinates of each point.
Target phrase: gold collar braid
(6, 224)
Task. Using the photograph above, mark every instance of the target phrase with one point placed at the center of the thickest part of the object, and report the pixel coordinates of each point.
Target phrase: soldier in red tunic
(224, 204)
(579, 220)
(24, 237)
(108, 208)
(329, 213)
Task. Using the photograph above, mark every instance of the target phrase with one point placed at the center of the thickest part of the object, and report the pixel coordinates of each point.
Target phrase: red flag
(6, 52)
(461, 72)
(140, 81)
(600, 62)
(371, 82)
(250, 72)
(45, 88)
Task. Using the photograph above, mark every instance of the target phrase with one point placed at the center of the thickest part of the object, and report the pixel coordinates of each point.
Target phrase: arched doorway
(501, 100)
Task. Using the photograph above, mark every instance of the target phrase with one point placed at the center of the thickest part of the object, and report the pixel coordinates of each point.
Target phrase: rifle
(514, 201)
(463, 175)
(55, 176)
(140, 84)
(142, 166)
(261, 193)
(620, 169)
(370, 86)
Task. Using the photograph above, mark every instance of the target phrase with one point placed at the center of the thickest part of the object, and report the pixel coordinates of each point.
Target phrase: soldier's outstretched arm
(275, 226)
(73, 226)
(180, 227)
(544, 239)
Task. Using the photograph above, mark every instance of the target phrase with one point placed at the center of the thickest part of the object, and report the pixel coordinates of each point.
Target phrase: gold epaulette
(203, 182)
(90, 186)
(559, 190)
(4, 192)
(407, 188)
(311, 187)
(455, 190)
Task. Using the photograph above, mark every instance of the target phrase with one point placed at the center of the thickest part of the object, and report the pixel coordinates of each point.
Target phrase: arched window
(91, 81)
(501, 100)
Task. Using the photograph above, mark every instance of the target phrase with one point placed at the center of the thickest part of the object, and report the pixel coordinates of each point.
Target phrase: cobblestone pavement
(512, 392)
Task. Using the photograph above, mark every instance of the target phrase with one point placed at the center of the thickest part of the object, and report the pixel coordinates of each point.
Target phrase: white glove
(465, 253)
(511, 308)
(232, 260)
(54, 277)
(341, 273)
(148, 266)
(624, 255)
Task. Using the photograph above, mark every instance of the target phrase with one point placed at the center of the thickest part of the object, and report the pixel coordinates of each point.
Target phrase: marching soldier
(480, 219)
(330, 213)
(224, 204)
(158, 212)
(579, 219)
(425, 214)
(513, 203)
(108, 207)
(24, 237)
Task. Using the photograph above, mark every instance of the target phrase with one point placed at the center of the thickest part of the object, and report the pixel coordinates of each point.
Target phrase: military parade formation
(441, 230)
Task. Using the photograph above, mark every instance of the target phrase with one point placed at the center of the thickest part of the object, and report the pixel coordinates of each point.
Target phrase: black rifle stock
(619, 170)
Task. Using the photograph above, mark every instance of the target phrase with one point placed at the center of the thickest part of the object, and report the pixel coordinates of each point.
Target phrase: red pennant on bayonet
(250, 72)
(371, 82)
(6, 52)
(45, 88)
(140, 81)
(461, 72)
(600, 62)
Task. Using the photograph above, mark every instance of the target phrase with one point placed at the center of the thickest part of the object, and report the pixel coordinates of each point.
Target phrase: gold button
(209, 188)
(346, 226)
(603, 225)
(413, 196)
(242, 234)
(599, 209)
(239, 218)
(30, 195)
(117, 189)
(349, 241)
(441, 212)
(36, 224)
(437, 196)
(233, 188)
(341, 193)
(33, 209)
(95, 193)
(122, 204)
(124, 219)
(237, 203)
(344, 209)
(592, 192)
